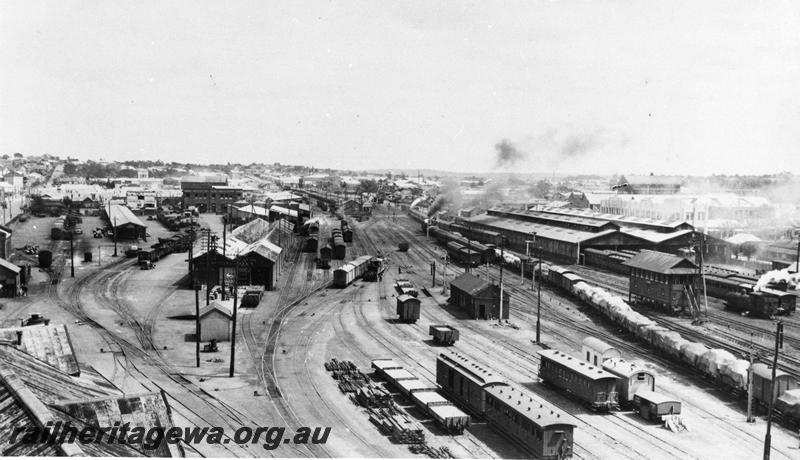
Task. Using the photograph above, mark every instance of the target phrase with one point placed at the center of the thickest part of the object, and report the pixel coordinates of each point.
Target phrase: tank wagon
(516, 413)
(351, 271)
(408, 308)
(347, 233)
(589, 384)
(423, 394)
(443, 334)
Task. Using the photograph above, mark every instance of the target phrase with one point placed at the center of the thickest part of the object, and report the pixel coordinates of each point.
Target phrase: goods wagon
(633, 378)
(402, 246)
(374, 269)
(762, 383)
(652, 406)
(589, 384)
(349, 272)
(443, 334)
(408, 308)
(155, 253)
(406, 287)
(423, 394)
(45, 259)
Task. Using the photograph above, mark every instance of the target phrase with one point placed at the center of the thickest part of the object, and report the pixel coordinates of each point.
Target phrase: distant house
(16, 180)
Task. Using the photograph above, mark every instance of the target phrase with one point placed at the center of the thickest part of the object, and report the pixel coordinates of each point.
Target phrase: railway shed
(597, 351)
(479, 298)
(666, 280)
(530, 420)
(50, 343)
(126, 225)
(215, 323)
(259, 259)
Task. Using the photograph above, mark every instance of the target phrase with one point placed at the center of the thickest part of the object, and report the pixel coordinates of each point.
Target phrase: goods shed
(479, 298)
(126, 225)
(259, 262)
(662, 279)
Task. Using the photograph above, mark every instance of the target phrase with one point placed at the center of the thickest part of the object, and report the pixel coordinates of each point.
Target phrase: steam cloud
(549, 147)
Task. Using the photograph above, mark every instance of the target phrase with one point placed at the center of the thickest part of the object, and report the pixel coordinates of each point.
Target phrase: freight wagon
(349, 272)
(406, 287)
(408, 308)
(311, 244)
(443, 334)
(443, 237)
(155, 253)
(589, 384)
(347, 233)
(423, 394)
(762, 383)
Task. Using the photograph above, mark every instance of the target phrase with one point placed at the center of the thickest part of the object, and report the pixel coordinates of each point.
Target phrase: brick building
(209, 193)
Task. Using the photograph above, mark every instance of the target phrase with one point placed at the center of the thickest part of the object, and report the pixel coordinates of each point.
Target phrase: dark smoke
(507, 153)
(575, 145)
(437, 205)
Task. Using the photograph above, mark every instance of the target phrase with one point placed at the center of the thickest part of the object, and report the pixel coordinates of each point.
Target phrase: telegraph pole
(797, 258)
(433, 273)
(208, 266)
(115, 233)
(778, 345)
(197, 322)
(235, 299)
(539, 301)
(224, 258)
(72, 253)
(502, 257)
(750, 418)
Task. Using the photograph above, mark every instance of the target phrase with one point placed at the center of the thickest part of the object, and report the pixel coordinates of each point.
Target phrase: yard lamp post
(527, 255)
(539, 299)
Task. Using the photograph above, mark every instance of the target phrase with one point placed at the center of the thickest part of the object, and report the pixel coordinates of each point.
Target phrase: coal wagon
(443, 334)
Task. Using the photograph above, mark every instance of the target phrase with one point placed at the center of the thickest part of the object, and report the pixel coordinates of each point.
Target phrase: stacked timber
(397, 424)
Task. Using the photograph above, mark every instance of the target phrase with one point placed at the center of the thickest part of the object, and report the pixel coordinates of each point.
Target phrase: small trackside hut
(479, 298)
(665, 280)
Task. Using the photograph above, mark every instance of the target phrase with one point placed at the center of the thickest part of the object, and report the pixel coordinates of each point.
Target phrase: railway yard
(136, 328)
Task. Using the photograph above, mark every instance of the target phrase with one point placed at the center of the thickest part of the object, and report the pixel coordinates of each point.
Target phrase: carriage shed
(479, 298)
(530, 420)
(596, 351)
(126, 225)
(215, 323)
(259, 263)
(662, 278)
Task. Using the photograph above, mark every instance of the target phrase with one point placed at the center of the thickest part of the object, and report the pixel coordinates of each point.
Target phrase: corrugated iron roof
(49, 343)
(469, 283)
(661, 262)
(119, 215)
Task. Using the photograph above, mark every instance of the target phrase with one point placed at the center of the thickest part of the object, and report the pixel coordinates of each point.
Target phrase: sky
(677, 87)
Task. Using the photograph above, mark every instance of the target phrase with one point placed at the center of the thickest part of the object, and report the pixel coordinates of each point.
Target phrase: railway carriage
(590, 384)
(465, 381)
(530, 421)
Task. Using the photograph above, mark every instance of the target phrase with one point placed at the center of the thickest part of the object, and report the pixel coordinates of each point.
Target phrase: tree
(70, 169)
(17, 155)
(368, 186)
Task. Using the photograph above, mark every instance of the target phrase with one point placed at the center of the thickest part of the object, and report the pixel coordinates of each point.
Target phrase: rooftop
(623, 367)
(469, 283)
(541, 230)
(119, 215)
(576, 365)
(531, 406)
(216, 306)
(49, 343)
(661, 262)
(479, 374)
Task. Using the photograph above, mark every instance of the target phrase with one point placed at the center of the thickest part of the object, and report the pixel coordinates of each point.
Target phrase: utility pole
(72, 253)
(750, 418)
(433, 273)
(703, 275)
(208, 266)
(444, 274)
(539, 301)
(797, 258)
(235, 300)
(502, 257)
(778, 345)
(197, 322)
(115, 233)
(224, 258)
